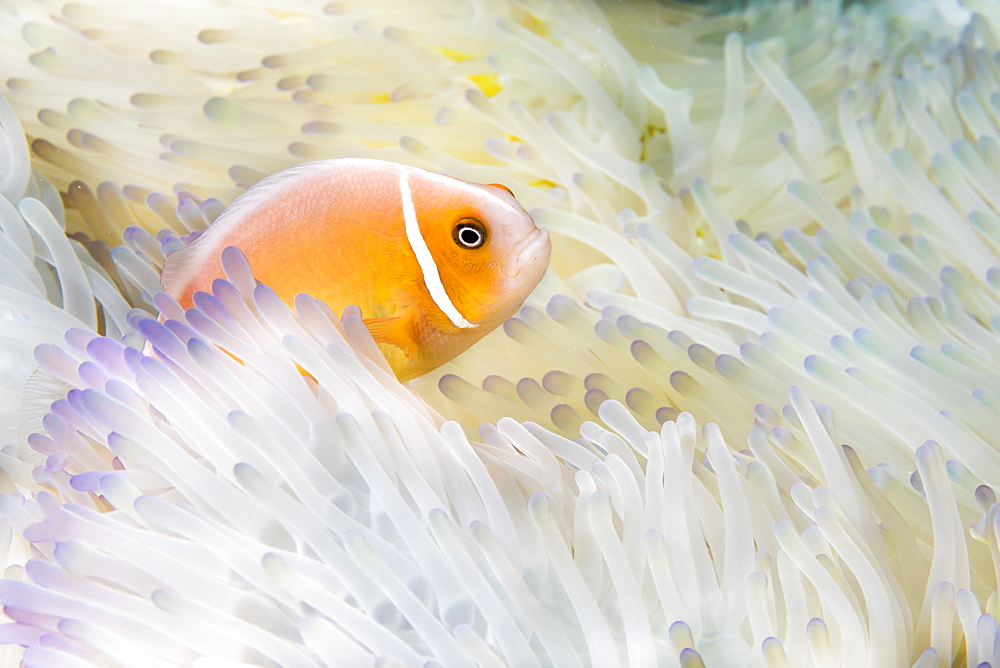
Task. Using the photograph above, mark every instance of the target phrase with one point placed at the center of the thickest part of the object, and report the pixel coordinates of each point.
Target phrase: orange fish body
(434, 263)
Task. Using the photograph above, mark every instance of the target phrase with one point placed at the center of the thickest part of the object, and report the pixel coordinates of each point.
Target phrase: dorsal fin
(181, 265)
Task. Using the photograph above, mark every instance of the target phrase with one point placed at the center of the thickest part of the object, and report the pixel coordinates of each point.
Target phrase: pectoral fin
(394, 331)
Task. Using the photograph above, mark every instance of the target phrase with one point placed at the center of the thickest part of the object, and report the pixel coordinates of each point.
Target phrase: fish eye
(469, 233)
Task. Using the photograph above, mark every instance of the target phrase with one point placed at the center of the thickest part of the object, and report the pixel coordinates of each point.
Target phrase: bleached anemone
(780, 224)
(193, 506)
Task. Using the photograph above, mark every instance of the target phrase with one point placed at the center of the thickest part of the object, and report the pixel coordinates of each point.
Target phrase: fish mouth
(533, 247)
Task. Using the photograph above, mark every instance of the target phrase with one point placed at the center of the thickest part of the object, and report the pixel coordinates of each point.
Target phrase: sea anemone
(747, 417)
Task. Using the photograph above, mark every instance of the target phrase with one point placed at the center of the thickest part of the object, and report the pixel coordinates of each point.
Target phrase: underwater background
(748, 417)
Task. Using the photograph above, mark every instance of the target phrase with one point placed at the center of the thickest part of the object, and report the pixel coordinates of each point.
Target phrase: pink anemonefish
(434, 263)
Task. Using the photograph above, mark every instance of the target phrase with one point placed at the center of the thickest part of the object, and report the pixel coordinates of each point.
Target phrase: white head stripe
(472, 190)
(432, 279)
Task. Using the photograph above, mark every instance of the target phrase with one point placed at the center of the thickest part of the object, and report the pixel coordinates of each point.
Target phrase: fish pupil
(470, 234)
